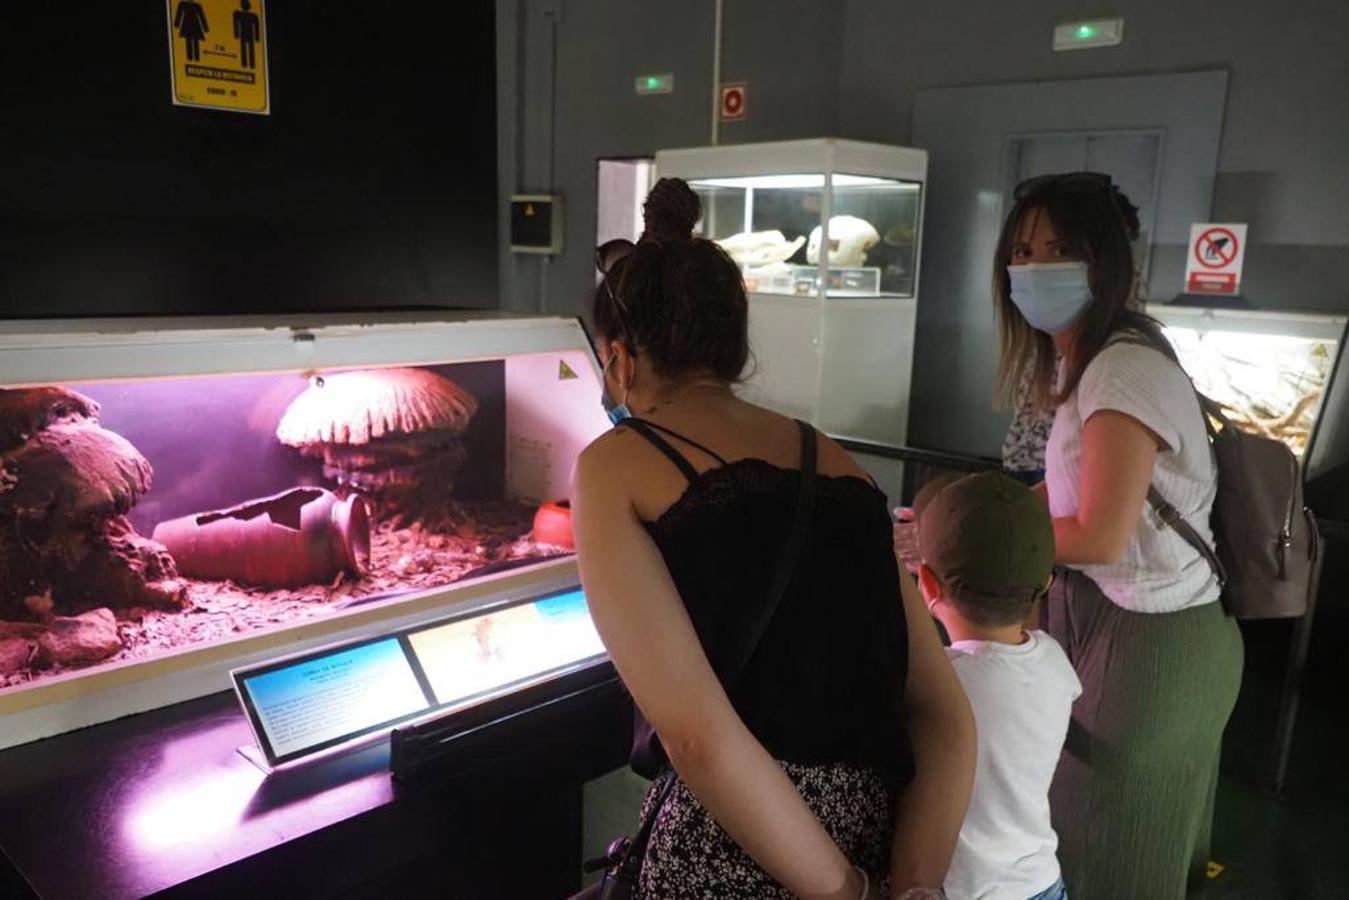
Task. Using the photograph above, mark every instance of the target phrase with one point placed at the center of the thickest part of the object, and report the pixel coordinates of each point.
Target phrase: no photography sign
(1213, 264)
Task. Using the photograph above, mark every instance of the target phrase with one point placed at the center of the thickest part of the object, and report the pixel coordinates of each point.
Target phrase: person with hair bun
(836, 760)
(1134, 606)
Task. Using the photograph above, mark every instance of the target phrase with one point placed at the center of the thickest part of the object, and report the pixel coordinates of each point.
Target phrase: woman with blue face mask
(1135, 607)
(826, 750)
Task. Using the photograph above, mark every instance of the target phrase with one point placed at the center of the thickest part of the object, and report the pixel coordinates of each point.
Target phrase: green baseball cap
(985, 536)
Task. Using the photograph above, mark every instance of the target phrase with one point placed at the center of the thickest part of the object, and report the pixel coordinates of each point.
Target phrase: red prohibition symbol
(1216, 248)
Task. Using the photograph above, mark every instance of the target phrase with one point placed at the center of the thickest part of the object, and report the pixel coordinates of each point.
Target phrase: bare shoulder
(834, 460)
(604, 452)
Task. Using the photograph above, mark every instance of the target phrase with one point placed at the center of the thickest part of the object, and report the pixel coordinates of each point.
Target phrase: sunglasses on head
(607, 256)
(1066, 181)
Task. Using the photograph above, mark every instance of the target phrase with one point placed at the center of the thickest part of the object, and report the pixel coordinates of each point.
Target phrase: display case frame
(38, 352)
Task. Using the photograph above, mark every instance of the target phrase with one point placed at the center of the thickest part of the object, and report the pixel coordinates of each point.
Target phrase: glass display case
(828, 234)
(776, 229)
(1276, 374)
(181, 497)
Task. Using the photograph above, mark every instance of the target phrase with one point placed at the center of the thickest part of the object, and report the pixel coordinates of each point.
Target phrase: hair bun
(671, 210)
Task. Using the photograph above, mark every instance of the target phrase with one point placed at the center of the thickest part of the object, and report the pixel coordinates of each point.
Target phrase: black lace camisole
(826, 683)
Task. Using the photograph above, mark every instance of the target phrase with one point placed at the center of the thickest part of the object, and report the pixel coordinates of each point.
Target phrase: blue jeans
(1055, 891)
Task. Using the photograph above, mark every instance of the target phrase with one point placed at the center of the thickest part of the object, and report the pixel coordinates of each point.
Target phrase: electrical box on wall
(536, 223)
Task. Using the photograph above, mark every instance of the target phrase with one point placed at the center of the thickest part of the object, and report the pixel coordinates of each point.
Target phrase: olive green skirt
(1132, 799)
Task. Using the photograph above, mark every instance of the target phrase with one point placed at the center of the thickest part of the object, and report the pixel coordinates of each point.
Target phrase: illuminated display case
(828, 236)
(182, 497)
(1276, 374)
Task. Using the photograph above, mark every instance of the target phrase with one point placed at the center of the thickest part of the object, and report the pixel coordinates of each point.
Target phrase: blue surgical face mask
(1051, 296)
(616, 412)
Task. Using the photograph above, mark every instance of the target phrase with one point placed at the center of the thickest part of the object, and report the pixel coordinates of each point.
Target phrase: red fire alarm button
(734, 101)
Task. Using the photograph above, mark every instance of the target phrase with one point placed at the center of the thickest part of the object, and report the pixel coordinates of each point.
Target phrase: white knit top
(1159, 572)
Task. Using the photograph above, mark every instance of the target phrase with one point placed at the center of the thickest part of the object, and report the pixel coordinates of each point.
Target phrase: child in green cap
(986, 546)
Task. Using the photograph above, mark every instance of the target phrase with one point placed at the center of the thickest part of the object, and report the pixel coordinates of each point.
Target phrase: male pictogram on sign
(247, 31)
(190, 20)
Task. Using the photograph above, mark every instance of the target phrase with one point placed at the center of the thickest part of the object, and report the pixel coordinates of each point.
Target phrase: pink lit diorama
(143, 516)
(271, 498)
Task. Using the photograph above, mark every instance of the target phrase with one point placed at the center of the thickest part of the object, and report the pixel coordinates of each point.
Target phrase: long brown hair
(1097, 223)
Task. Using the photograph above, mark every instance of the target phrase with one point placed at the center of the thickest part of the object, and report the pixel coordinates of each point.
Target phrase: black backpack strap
(644, 428)
(1177, 523)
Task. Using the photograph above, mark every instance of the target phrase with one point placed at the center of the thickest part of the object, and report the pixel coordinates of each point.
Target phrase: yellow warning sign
(1214, 869)
(218, 54)
(565, 372)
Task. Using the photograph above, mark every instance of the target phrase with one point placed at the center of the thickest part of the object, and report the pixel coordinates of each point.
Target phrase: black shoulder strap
(686, 440)
(791, 551)
(1176, 521)
(645, 430)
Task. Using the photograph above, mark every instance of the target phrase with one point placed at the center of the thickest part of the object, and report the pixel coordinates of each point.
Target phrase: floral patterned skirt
(690, 856)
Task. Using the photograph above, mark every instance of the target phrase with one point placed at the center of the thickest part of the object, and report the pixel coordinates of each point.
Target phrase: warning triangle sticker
(529, 209)
(565, 372)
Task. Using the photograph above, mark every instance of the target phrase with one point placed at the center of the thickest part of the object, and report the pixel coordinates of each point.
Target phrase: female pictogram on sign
(190, 20)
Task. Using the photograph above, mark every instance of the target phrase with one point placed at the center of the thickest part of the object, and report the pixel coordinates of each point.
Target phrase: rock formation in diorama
(392, 434)
(66, 546)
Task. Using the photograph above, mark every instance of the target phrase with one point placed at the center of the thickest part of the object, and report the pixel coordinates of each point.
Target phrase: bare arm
(645, 628)
(932, 808)
(1118, 453)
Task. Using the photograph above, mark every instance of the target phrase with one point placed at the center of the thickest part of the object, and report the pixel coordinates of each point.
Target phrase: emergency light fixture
(1087, 34)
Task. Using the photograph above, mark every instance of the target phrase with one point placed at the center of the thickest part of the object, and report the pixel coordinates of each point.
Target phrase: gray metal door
(1131, 158)
(1157, 135)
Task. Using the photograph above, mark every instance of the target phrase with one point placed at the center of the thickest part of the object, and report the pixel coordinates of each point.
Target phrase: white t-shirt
(1022, 697)
(1158, 572)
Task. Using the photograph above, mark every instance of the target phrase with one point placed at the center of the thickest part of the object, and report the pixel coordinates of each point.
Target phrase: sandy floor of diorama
(403, 560)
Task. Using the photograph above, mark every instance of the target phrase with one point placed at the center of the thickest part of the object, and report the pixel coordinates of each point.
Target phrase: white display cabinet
(180, 497)
(1275, 373)
(828, 234)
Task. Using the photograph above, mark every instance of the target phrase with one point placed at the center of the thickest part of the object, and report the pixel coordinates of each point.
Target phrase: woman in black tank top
(740, 570)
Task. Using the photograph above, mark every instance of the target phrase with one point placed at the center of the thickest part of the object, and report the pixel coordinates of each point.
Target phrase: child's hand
(906, 539)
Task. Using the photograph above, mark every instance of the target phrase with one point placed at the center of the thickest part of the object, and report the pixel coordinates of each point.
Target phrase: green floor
(1295, 845)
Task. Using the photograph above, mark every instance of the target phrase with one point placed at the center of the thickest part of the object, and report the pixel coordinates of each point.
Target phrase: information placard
(338, 695)
(465, 659)
(310, 704)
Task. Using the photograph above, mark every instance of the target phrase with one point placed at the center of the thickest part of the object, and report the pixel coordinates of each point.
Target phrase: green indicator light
(1086, 31)
(652, 82)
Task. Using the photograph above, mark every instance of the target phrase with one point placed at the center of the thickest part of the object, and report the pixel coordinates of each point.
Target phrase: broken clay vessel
(302, 536)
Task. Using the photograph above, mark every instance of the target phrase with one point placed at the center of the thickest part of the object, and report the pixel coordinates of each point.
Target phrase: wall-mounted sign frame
(218, 54)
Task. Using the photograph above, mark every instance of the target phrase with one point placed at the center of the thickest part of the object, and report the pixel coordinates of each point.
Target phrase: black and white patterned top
(1023, 449)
